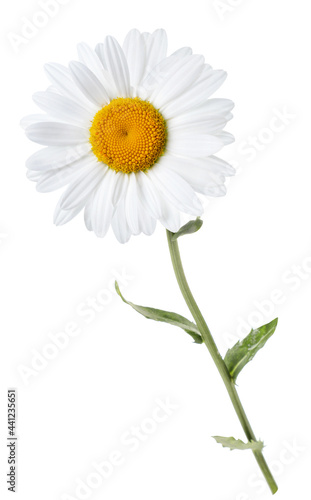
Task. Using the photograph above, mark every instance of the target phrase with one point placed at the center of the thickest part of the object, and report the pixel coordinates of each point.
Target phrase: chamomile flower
(132, 134)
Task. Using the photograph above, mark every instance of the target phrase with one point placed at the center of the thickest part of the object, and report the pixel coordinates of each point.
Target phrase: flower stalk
(217, 358)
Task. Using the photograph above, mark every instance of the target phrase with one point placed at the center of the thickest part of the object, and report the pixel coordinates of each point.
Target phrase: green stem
(217, 358)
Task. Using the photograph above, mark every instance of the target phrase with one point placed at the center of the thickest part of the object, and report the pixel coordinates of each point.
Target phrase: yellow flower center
(128, 134)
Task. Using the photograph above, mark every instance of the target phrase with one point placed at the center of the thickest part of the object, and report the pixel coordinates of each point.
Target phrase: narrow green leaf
(237, 444)
(244, 351)
(166, 317)
(191, 227)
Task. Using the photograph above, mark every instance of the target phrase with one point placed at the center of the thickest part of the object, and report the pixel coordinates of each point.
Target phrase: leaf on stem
(244, 351)
(237, 444)
(191, 227)
(167, 317)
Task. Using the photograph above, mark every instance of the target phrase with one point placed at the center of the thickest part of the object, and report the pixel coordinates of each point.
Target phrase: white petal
(89, 58)
(55, 90)
(149, 195)
(131, 205)
(158, 76)
(217, 106)
(214, 81)
(182, 52)
(196, 94)
(117, 66)
(60, 76)
(186, 72)
(190, 118)
(61, 217)
(146, 222)
(163, 70)
(99, 49)
(59, 177)
(102, 208)
(195, 145)
(63, 108)
(215, 191)
(57, 157)
(207, 126)
(89, 84)
(211, 109)
(135, 52)
(171, 217)
(88, 212)
(119, 224)
(229, 116)
(82, 188)
(156, 48)
(225, 137)
(33, 176)
(198, 174)
(175, 189)
(192, 169)
(218, 165)
(120, 189)
(56, 134)
(33, 119)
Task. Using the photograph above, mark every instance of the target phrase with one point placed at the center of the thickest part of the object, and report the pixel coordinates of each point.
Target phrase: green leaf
(237, 444)
(244, 351)
(191, 227)
(166, 317)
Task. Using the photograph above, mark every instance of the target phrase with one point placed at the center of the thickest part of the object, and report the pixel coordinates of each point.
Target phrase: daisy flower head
(132, 133)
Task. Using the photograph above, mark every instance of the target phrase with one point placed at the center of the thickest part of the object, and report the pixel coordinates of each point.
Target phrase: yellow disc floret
(128, 134)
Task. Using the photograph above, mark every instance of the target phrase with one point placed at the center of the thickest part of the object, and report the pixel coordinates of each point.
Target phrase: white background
(257, 239)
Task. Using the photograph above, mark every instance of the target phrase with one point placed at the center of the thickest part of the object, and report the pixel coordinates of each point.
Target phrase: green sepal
(237, 444)
(191, 227)
(244, 351)
(166, 317)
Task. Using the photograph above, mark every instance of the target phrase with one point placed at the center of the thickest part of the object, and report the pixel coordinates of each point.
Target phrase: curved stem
(217, 358)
